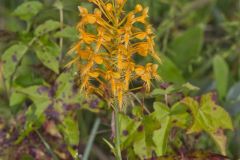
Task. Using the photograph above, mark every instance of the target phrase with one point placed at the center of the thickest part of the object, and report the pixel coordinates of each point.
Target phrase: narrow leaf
(221, 75)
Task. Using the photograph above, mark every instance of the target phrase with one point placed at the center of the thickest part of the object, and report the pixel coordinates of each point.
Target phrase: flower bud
(109, 7)
(97, 12)
(138, 8)
(119, 2)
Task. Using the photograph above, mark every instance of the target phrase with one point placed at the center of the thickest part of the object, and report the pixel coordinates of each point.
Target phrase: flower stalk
(117, 133)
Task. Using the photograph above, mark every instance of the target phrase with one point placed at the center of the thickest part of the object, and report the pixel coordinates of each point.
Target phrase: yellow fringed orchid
(107, 56)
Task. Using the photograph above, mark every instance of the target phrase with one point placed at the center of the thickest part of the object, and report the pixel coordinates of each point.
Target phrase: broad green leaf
(48, 54)
(210, 118)
(71, 131)
(187, 47)
(161, 111)
(168, 117)
(46, 27)
(27, 76)
(68, 32)
(180, 116)
(160, 137)
(11, 58)
(221, 75)
(150, 124)
(220, 117)
(41, 98)
(170, 72)
(66, 88)
(143, 143)
(28, 10)
(234, 92)
(207, 115)
(127, 130)
(192, 104)
(140, 149)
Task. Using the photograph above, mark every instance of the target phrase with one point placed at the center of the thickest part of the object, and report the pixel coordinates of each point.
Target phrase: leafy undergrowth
(46, 116)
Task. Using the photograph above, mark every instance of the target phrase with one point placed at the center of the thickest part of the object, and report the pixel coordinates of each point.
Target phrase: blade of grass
(47, 146)
(91, 139)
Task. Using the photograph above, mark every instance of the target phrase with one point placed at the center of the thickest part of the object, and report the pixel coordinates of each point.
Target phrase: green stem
(61, 39)
(117, 134)
(47, 146)
(91, 139)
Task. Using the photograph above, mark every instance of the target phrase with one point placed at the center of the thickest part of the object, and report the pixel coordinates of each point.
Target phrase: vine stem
(117, 133)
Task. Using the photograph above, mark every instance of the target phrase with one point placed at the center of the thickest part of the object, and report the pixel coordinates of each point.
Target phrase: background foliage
(43, 116)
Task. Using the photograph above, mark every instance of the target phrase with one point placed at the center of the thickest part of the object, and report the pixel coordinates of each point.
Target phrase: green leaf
(161, 111)
(220, 139)
(187, 47)
(26, 75)
(210, 118)
(48, 53)
(65, 82)
(17, 98)
(34, 119)
(170, 72)
(67, 32)
(221, 74)
(127, 129)
(28, 10)
(159, 91)
(220, 118)
(71, 131)
(160, 137)
(35, 112)
(11, 58)
(190, 87)
(180, 116)
(140, 148)
(36, 93)
(40, 96)
(176, 116)
(46, 27)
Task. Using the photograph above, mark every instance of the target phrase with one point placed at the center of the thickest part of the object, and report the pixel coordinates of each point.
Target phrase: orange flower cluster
(105, 58)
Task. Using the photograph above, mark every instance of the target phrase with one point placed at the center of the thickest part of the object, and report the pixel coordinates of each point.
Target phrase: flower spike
(105, 59)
